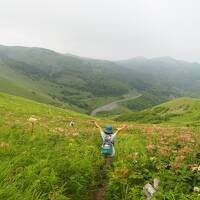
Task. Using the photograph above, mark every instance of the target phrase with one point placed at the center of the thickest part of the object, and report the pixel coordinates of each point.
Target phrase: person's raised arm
(98, 126)
(117, 131)
(121, 128)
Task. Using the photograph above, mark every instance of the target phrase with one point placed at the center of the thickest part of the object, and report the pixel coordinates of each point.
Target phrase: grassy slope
(177, 79)
(77, 81)
(47, 163)
(18, 84)
(183, 111)
(168, 71)
(57, 77)
(53, 163)
(167, 153)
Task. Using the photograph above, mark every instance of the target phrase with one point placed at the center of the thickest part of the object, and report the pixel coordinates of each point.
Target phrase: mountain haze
(176, 73)
(64, 78)
(84, 84)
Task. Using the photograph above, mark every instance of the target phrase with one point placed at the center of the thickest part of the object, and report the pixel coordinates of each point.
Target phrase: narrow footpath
(113, 105)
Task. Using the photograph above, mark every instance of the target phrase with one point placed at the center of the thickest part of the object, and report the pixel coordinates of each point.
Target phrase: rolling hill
(180, 77)
(179, 74)
(57, 161)
(83, 84)
(64, 79)
(184, 111)
(53, 162)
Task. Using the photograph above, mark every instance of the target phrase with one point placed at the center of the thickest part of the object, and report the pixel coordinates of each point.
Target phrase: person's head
(108, 129)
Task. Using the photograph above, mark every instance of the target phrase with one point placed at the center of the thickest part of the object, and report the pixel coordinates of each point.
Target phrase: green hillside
(18, 84)
(176, 78)
(50, 163)
(83, 84)
(174, 73)
(70, 81)
(60, 162)
(64, 79)
(185, 111)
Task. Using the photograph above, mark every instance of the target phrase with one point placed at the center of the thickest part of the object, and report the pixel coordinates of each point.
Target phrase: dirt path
(100, 194)
(107, 165)
(112, 105)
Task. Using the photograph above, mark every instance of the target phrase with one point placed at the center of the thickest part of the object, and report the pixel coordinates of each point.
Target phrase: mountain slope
(179, 111)
(17, 83)
(174, 73)
(84, 84)
(57, 161)
(67, 79)
(176, 78)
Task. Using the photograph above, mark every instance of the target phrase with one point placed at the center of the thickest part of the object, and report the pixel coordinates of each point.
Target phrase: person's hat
(108, 129)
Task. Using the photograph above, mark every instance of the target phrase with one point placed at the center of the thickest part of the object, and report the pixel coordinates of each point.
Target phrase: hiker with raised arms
(108, 137)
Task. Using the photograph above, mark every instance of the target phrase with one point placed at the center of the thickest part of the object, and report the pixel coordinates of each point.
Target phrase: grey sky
(107, 29)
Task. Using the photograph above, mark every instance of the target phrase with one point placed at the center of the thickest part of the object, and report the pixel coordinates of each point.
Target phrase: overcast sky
(106, 29)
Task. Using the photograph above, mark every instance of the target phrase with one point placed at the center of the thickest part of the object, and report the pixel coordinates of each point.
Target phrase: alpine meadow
(99, 100)
(43, 157)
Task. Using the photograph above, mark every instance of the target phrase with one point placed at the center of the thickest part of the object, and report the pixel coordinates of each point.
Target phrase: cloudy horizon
(104, 29)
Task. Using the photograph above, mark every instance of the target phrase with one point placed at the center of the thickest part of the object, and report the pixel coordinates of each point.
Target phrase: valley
(44, 157)
(83, 84)
(99, 100)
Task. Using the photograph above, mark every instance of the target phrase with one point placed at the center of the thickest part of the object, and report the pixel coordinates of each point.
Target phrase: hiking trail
(112, 105)
(100, 194)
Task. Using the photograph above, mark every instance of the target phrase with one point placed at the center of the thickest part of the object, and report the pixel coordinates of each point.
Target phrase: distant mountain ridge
(83, 84)
(64, 79)
(176, 73)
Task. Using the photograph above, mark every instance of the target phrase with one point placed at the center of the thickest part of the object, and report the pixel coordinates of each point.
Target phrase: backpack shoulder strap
(107, 139)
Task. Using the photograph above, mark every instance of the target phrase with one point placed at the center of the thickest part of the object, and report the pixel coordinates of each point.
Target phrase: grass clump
(59, 162)
(53, 162)
(165, 153)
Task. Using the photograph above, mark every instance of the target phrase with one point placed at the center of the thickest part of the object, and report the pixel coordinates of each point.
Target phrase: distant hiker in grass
(108, 137)
(72, 123)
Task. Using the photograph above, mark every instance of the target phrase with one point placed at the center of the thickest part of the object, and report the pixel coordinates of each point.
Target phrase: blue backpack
(107, 147)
